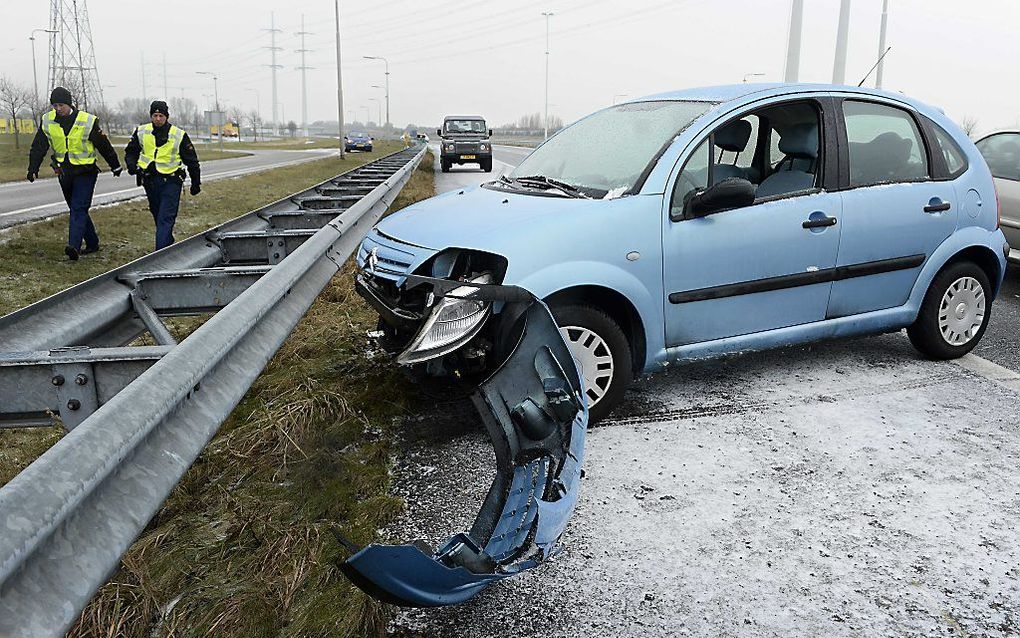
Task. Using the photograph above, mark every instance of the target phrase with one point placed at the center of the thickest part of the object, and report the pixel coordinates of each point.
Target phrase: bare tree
(292, 127)
(969, 125)
(14, 98)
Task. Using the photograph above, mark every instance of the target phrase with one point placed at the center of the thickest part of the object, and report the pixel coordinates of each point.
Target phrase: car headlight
(484, 147)
(449, 147)
(452, 323)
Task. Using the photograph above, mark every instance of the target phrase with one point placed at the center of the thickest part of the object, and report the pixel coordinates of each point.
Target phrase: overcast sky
(487, 56)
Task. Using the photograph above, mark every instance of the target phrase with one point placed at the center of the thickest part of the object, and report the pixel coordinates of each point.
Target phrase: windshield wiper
(569, 189)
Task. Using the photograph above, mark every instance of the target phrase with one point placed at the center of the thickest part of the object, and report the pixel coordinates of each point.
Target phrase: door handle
(936, 205)
(821, 222)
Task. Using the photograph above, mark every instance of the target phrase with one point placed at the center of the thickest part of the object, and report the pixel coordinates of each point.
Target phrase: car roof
(734, 92)
(463, 117)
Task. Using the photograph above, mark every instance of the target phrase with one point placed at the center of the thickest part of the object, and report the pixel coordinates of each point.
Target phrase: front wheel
(954, 313)
(602, 352)
(486, 165)
(444, 164)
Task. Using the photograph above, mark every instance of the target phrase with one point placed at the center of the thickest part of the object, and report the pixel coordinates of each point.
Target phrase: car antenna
(874, 67)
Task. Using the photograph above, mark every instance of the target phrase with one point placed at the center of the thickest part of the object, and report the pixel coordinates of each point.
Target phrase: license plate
(467, 156)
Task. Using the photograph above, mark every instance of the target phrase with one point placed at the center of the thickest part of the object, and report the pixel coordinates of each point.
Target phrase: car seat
(800, 145)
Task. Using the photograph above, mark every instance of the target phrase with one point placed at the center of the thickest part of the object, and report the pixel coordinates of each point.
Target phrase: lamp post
(379, 102)
(387, 63)
(35, 75)
(339, 83)
(258, 111)
(216, 96)
(547, 14)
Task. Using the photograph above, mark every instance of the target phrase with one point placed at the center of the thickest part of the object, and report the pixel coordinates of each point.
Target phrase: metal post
(792, 72)
(546, 129)
(339, 83)
(35, 75)
(274, 66)
(166, 93)
(387, 63)
(304, 78)
(145, 92)
(842, 33)
(881, 43)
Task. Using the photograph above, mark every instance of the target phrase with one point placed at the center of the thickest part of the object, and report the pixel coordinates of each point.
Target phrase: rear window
(956, 163)
(885, 144)
(1002, 152)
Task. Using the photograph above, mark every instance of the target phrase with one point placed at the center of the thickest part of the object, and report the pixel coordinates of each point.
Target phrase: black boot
(71, 252)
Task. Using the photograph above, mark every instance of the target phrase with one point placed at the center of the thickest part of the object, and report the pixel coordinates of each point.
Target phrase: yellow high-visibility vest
(75, 146)
(167, 156)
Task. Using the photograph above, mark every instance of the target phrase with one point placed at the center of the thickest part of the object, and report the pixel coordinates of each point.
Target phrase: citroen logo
(373, 259)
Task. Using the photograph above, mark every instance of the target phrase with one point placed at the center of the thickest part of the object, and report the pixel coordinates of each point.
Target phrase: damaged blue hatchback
(735, 218)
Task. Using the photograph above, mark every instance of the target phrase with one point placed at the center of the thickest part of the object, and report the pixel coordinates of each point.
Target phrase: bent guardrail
(140, 416)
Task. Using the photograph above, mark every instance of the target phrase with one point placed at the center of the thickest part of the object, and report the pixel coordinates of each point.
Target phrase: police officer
(156, 156)
(75, 137)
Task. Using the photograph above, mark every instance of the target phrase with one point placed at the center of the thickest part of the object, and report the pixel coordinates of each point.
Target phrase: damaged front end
(536, 415)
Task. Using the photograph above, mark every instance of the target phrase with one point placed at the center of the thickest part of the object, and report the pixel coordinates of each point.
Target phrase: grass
(246, 544)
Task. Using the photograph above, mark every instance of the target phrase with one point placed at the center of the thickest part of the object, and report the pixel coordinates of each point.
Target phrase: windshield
(606, 153)
(358, 135)
(465, 126)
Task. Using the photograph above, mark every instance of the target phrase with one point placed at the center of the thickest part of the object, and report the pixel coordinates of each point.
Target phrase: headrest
(733, 137)
(800, 140)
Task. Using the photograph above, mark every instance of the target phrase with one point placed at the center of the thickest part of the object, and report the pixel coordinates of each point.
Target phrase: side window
(1002, 152)
(955, 161)
(885, 144)
(693, 178)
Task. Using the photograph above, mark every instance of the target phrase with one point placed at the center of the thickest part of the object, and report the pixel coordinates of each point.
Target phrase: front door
(763, 266)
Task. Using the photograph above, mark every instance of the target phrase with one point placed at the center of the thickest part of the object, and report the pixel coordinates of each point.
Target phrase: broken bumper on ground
(536, 415)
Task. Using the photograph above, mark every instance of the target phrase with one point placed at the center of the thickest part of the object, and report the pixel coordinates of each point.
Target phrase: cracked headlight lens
(452, 323)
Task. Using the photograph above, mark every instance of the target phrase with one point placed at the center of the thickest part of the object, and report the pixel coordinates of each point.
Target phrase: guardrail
(139, 416)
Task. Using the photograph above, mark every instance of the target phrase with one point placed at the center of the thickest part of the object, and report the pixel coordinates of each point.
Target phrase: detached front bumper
(536, 415)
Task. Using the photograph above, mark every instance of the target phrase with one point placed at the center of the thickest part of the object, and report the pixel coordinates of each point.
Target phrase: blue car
(735, 218)
(357, 141)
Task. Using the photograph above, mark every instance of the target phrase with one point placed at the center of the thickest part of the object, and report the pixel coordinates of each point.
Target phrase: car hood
(470, 217)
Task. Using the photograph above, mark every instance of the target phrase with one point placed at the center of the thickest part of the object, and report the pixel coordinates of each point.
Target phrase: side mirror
(490, 132)
(732, 192)
(439, 132)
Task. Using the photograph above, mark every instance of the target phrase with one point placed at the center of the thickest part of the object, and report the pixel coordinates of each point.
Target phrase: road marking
(990, 370)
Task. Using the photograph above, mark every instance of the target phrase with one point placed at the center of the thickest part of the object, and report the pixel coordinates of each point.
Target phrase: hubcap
(962, 311)
(593, 356)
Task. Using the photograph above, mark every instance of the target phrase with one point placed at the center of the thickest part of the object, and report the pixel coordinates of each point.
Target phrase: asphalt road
(504, 159)
(23, 201)
(847, 488)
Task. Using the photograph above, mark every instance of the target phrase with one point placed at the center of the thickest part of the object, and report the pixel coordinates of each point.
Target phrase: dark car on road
(356, 141)
(464, 139)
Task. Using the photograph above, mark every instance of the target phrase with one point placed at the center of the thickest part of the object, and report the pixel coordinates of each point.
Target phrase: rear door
(894, 213)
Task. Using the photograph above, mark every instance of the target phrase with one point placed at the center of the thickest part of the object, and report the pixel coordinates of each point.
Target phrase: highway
(504, 160)
(22, 201)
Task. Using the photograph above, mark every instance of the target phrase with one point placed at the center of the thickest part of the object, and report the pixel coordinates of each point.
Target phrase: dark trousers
(78, 192)
(164, 193)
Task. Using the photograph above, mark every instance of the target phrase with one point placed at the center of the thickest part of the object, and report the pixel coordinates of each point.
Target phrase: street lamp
(35, 75)
(216, 96)
(368, 115)
(258, 111)
(547, 14)
(387, 63)
(379, 102)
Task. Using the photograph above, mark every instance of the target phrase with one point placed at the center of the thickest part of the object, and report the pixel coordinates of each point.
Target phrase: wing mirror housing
(490, 132)
(439, 132)
(730, 193)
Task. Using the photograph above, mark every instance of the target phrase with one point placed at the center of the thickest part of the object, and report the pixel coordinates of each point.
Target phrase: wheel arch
(618, 307)
(984, 258)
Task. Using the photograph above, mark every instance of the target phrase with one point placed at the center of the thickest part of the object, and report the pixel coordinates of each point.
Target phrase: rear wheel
(445, 165)
(954, 313)
(602, 352)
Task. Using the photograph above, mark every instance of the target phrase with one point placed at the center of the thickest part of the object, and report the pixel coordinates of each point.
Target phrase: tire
(486, 165)
(578, 324)
(954, 313)
(445, 165)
